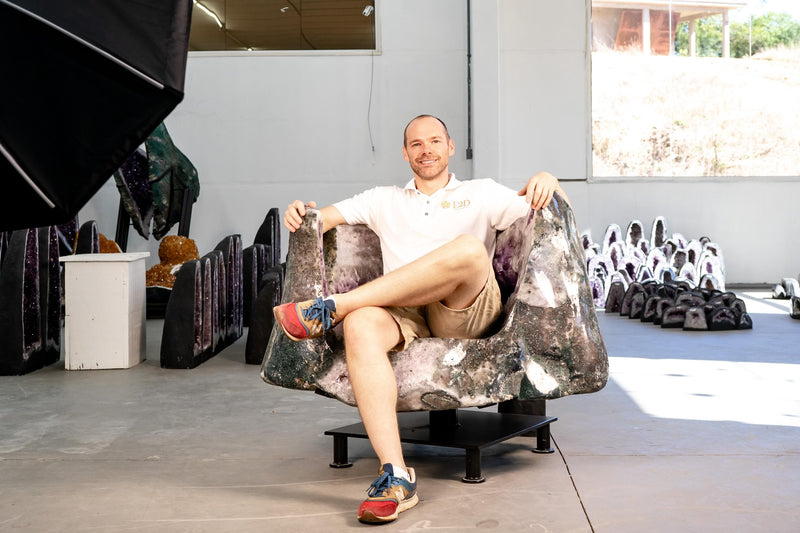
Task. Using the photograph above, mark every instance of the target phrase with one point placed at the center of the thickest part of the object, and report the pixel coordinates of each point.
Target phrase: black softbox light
(82, 84)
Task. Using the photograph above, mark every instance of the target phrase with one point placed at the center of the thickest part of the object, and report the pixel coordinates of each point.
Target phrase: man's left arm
(540, 189)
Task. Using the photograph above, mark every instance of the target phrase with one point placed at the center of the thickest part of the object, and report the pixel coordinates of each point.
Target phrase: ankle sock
(331, 298)
(399, 471)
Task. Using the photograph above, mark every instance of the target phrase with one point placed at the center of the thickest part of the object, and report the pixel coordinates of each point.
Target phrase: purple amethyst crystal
(134, 190)
(31, 316)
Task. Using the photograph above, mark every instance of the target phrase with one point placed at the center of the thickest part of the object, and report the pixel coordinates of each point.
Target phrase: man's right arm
(293, 217)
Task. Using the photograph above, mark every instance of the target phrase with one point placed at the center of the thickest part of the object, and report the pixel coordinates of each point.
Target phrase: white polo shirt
(410, 224)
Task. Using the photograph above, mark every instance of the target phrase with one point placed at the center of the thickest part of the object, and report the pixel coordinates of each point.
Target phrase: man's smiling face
(428, 148)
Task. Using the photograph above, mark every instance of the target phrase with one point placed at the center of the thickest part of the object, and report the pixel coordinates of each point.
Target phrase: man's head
(427, 147)
(437, 119)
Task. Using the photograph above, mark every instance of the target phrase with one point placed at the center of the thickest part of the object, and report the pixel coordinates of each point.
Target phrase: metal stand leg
(543, 440)
(473, 466)
(443, 421)
(340, 452)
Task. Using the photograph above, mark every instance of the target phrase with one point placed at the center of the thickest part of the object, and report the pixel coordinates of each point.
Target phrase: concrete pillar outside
(645, 31)
(692, 39)
(726, 35)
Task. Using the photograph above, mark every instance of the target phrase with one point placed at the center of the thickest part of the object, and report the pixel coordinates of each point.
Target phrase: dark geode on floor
(677, 304)
(30, 292)
(262, 319)
(181, 345)
(204, 312)
(88, 239)
(269, 234)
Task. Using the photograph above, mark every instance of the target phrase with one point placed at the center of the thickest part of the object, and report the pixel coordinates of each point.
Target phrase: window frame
(378, 50)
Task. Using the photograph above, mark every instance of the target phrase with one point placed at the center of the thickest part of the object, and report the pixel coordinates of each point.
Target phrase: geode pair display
(204, 311)
(152, 182)
(31, 292)
(215, 297)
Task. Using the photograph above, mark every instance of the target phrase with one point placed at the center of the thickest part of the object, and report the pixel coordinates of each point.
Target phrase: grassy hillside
(681, 116)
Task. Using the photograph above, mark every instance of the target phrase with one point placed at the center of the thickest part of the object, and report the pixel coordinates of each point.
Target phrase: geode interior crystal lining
(133, 185)
(173, 251)
(30, 294)
(662, 258)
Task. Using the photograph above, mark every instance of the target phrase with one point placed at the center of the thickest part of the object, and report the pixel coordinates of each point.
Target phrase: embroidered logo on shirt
(458, 204)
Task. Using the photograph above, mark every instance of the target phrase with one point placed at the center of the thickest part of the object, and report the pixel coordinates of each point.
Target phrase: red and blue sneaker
(306, 320)
(389, 496)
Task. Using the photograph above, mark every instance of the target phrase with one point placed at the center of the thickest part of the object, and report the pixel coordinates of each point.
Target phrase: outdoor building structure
(650, 26)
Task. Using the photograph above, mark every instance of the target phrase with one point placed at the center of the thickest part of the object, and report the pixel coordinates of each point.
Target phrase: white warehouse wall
(264, 129)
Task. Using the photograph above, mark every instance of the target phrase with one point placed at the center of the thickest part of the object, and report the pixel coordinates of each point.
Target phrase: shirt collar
(452, 184)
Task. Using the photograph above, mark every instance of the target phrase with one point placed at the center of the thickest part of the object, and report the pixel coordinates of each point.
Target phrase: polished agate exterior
(549, 344)
(169, 171)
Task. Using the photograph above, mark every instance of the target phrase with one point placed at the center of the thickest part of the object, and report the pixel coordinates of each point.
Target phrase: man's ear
(405, 153)
(452, 146)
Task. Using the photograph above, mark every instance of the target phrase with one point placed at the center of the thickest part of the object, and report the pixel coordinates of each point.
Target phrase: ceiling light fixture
(208, 12)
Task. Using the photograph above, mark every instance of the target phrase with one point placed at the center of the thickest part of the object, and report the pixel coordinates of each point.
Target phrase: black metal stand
(469, 430)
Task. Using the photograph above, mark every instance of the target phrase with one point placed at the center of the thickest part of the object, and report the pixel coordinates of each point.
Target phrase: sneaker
(388, 496)
(306, 320)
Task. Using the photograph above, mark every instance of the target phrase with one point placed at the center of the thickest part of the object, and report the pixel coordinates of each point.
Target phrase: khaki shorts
(438, 320)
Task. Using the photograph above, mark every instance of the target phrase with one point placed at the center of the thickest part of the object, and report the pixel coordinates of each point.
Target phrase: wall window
(282, 25)
(696, 88)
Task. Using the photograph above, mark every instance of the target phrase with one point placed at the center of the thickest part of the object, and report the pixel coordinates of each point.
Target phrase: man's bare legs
(369, 333)
(455, 274)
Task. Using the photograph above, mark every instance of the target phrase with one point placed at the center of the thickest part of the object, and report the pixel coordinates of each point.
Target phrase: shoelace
(319, 311)
(382, 484)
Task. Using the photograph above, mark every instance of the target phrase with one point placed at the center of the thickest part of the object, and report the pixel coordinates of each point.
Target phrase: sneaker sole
(370, 518)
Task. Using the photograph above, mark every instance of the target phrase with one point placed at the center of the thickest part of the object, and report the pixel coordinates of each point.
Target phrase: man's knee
(470, 250)
(370, 326)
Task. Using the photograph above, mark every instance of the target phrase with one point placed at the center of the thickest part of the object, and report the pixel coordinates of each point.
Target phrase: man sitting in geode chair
(437, 237)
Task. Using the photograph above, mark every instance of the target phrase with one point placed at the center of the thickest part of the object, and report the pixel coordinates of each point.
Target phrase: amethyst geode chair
(546, 345)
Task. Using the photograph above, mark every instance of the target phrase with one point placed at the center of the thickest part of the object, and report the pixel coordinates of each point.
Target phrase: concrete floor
(696, 431)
